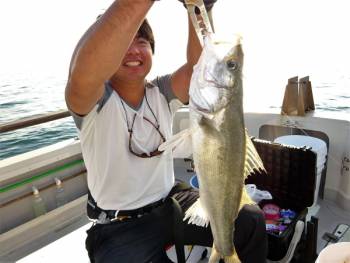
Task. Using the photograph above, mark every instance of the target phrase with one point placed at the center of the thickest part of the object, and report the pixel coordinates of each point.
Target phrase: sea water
(27, 95)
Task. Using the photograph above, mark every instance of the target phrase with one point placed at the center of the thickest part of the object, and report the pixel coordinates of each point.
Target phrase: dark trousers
(144, 239)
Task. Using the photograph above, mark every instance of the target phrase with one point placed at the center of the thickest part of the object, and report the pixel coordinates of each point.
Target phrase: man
(122, 119)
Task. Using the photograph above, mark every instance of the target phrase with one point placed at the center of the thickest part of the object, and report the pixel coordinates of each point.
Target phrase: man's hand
(208, 4)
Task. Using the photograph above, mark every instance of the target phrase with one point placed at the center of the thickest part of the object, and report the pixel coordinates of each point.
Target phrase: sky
(281, 39)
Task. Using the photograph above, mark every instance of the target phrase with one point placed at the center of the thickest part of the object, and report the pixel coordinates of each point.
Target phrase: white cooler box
(320, 148)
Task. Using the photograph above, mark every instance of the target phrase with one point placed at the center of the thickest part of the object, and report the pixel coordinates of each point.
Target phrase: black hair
(145, 31)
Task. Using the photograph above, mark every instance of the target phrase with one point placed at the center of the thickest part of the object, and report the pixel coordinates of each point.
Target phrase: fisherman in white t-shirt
(122, 119)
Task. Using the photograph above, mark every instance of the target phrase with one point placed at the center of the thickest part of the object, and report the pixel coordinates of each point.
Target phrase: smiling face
(137, 61)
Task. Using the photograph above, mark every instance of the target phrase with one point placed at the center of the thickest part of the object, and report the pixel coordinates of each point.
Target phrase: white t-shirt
(117, 179)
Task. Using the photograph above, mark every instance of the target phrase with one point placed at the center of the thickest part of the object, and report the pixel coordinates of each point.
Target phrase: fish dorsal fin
(176, 139)
(252, 160)
(197, 215)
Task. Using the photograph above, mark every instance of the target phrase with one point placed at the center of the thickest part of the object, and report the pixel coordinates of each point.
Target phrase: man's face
(137, 61)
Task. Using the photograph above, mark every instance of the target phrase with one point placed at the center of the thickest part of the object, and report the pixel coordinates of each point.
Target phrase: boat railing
(33, 120)
(39, 168)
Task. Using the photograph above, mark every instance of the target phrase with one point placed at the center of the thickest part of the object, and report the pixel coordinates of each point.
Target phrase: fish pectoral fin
(196, 214)
(252, 160)
(175, 140)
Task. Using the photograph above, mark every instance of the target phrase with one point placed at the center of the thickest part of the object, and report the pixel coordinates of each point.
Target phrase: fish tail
(232, 259)
(214, 256)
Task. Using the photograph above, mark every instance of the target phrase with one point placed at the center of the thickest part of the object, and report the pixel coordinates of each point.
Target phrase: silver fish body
(219, 141)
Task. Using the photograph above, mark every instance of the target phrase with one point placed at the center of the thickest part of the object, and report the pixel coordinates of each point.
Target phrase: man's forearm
(194, 48)
(102, 48)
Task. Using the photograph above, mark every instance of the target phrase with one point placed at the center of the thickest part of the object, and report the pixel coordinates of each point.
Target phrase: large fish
(223, 153)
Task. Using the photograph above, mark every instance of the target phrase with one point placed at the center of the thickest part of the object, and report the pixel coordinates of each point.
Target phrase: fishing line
(294, 124)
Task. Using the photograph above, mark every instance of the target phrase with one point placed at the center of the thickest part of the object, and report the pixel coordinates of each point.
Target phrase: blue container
(194, 181)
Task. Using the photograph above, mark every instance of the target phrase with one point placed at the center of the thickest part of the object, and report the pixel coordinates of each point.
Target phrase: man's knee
(250, 237)
(251, 214)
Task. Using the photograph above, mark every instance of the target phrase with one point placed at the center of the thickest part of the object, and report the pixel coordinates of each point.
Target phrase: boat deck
(69, 248)
(72, 245)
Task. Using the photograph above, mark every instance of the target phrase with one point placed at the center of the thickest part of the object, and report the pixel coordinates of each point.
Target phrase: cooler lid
(317, 145)
(291, 174)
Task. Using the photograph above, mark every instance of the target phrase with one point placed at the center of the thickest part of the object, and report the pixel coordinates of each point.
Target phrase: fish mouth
(211, 98)
(193, 105)
(204, 99)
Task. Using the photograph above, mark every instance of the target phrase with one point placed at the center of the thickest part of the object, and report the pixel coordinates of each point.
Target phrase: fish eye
(232, 64)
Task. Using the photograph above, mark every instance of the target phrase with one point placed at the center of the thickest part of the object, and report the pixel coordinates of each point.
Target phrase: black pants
(144, 239)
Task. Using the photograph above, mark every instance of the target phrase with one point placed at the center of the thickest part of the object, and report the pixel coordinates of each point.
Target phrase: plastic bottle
(38, 203)
(60, 194)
